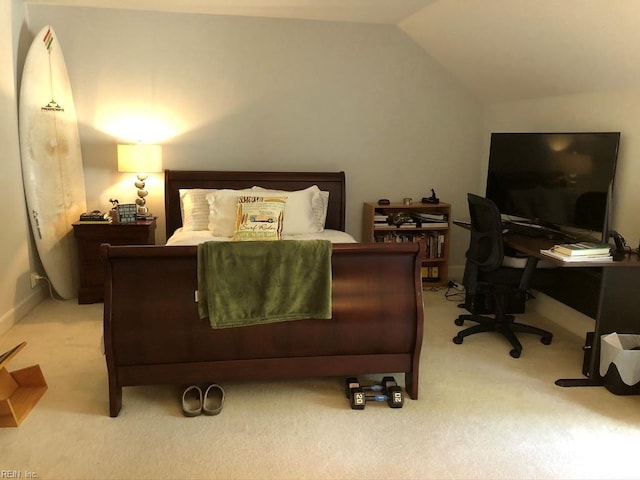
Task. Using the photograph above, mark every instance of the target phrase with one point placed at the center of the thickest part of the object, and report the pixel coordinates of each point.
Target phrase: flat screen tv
(554, 179)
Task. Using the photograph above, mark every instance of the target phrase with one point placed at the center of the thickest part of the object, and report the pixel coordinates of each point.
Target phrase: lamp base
(142, 193)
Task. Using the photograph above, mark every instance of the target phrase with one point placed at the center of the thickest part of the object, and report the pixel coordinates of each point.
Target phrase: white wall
(245, 93)
(267, 94)
(16, 295)
(616, 111)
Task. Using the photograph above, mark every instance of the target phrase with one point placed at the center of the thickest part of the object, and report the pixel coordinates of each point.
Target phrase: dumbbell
(383, 386)
(393, 392)
(387, 391)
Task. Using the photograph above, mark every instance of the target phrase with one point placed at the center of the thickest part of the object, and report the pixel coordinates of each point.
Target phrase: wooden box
(20, 390)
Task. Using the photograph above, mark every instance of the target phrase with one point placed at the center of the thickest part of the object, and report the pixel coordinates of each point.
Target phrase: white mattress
(181, 237)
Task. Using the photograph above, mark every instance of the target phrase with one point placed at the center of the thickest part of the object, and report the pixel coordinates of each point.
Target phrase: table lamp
(141, 159)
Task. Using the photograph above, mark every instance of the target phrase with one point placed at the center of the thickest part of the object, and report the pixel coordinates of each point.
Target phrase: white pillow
(222, 210)
(305, 210)
(194, 208)
(320, 210)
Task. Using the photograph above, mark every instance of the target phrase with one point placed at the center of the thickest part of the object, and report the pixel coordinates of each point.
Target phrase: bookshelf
(433, 232)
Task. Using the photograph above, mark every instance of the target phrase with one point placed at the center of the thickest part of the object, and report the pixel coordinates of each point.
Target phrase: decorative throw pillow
(222, 211)
(305, 211)
(320, 210)
(259, 218)
(194, 208)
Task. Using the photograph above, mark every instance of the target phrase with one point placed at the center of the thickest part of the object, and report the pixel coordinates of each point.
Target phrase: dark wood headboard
(332, 182)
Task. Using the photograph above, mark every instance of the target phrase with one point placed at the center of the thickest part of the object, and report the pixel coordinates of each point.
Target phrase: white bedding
(180, 237)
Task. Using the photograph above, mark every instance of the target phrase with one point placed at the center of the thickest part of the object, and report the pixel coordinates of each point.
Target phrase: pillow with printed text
(305, 210)
(259, 218)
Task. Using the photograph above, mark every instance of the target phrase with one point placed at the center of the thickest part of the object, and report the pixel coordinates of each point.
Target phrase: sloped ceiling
(362, 11)
(501, 50)
(514, 49)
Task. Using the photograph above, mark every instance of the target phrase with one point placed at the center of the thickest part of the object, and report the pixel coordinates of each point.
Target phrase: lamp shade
(140, 158)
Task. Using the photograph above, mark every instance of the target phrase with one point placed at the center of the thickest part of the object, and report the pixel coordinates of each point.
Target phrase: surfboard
(51, 160)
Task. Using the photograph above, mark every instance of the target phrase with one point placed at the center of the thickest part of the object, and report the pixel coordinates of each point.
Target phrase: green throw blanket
(248, 283)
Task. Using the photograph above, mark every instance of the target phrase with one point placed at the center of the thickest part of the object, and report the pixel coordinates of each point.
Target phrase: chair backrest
(486, 249)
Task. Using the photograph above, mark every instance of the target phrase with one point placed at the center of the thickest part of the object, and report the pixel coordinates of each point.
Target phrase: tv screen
(554, 179)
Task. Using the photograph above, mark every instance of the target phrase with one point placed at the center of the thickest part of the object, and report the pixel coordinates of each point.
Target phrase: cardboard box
(20, 390)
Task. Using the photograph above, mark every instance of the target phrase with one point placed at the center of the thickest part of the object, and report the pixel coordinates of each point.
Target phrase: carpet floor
(481, 414)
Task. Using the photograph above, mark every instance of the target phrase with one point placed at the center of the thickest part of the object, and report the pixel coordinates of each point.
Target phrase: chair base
(505, 326)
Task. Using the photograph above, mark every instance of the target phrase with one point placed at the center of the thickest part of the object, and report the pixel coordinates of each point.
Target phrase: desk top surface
(532, 246)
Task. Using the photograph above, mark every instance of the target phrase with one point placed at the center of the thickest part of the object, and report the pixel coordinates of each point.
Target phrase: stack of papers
(580, 252)
(431, 219)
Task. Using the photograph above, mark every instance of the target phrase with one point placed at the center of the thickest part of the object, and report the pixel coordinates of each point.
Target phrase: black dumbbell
(355, 393)
(393, 391)
(349, 383)
(387, 391)
(395, 397)
(352, 382)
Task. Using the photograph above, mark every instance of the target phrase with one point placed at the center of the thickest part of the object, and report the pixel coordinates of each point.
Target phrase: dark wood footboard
(153, 334)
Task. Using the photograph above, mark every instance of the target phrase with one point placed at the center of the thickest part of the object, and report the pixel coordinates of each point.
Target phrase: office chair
(490, 286)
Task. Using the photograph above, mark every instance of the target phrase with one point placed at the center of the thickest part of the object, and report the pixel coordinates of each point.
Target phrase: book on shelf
(396, 237)
(577, 258)
(582, 249)
(435, 245)
(430, 273)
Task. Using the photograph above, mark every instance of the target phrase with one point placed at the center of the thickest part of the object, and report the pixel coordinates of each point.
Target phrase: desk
(612, 287)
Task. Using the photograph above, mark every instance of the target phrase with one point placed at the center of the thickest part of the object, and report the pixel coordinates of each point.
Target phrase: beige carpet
(481, 414)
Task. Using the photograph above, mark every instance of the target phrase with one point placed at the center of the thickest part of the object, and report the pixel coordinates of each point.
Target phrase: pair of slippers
(194, 402)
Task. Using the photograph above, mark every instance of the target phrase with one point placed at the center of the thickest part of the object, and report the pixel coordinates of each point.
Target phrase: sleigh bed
(153, 333)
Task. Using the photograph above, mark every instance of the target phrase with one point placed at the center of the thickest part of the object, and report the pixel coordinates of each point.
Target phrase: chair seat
(505, 276)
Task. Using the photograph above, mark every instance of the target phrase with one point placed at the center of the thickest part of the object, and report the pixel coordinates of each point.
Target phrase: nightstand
(90, 236)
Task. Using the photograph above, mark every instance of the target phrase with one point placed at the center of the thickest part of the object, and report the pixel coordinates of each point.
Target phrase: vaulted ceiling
(500, 49)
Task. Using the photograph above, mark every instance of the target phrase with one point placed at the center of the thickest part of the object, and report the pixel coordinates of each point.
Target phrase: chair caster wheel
(458, 322)
(457, 340)
(546, 340)
(515, 353)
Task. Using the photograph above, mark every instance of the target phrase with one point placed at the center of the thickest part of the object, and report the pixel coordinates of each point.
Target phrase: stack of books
(580, 252)
(431, 219)
(95, 217)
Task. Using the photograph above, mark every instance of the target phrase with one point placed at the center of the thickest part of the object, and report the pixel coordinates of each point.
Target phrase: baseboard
(10, 318)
